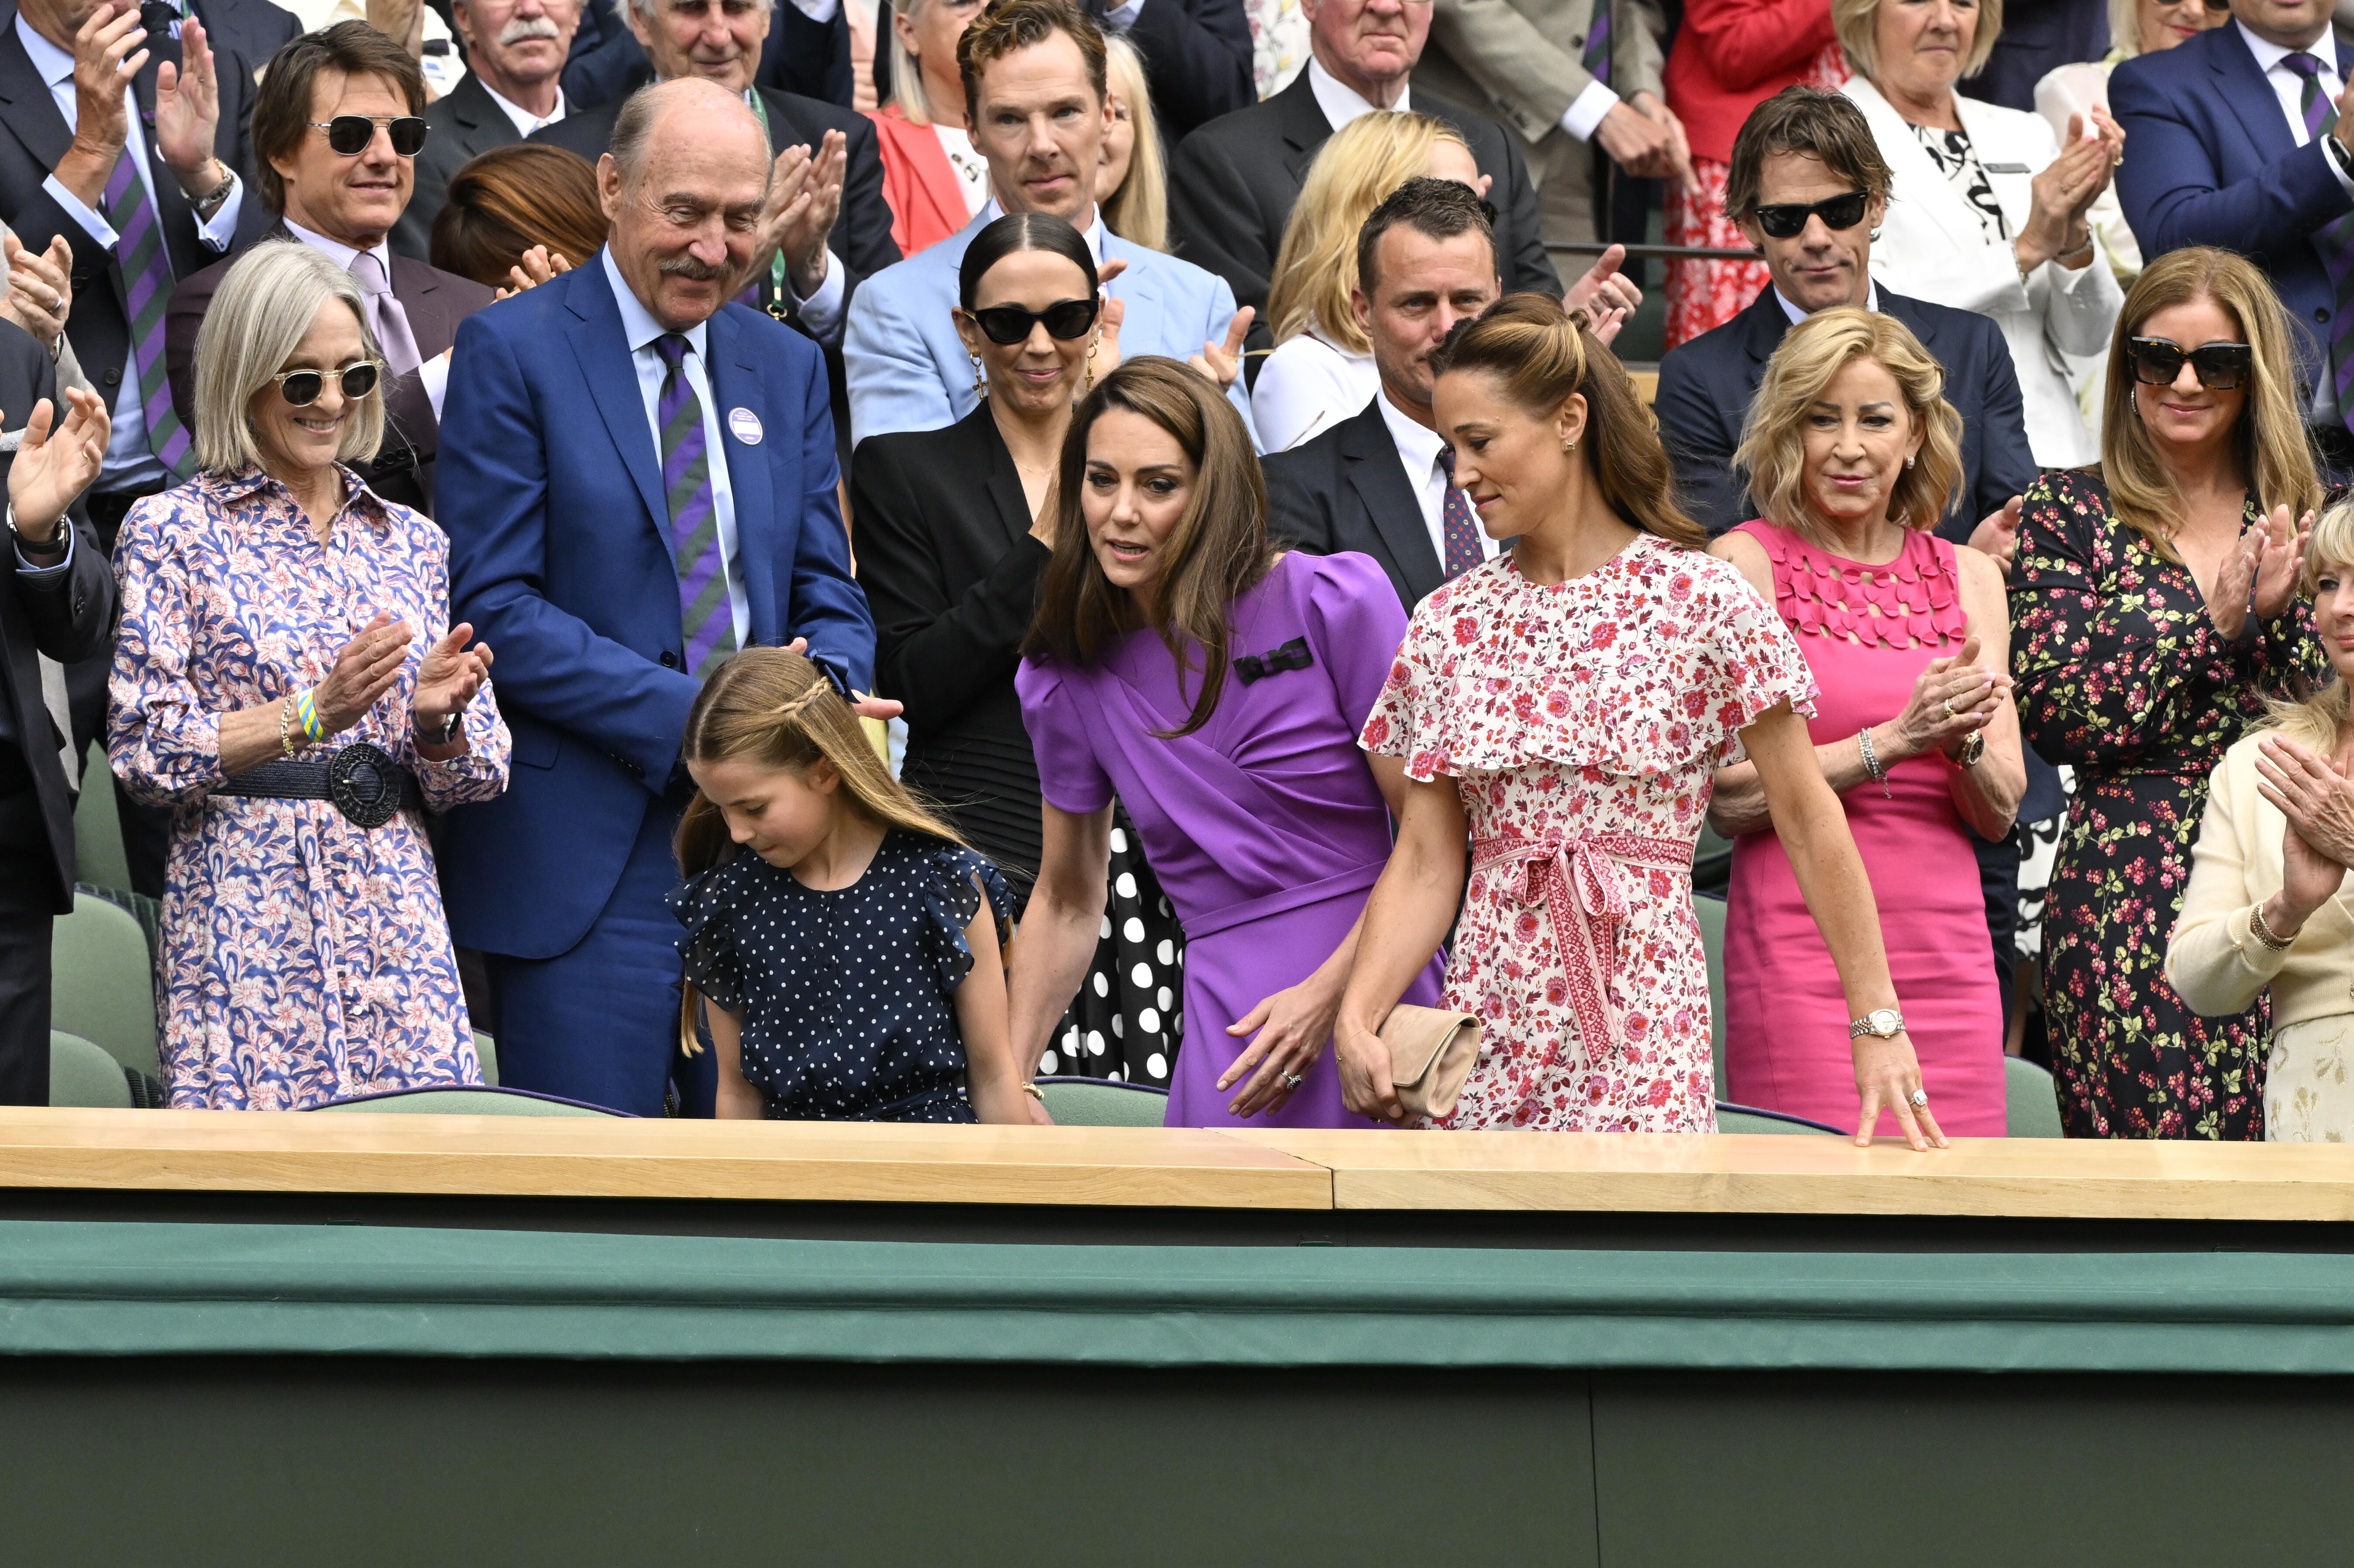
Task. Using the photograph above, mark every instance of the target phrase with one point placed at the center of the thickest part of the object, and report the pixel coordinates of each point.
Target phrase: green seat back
(98, 832)
(1710, 912)
(102, 985)
(1712, 861)
(2031, 1108)
(462, 1102)
(1104, 1102)
(82, 1075)
(1735, 1119)
(487, 1049)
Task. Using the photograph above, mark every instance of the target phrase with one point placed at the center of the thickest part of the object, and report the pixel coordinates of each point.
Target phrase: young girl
(839, 956)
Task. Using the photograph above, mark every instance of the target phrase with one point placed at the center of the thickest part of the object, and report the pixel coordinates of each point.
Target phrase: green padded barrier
(487, 1049)
(1102, 1103)
(1735, 1119)
(82, 1075)
(98, 830)
(2030, 1108)
(103, 983)
(462, 1102)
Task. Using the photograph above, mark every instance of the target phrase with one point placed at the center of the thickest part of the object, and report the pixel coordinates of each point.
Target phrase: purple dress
(1264, 826)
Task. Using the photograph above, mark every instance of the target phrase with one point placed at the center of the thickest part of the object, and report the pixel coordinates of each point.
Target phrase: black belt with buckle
(360, 780)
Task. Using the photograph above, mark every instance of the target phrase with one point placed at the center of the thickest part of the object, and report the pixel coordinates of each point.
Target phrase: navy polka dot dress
(848, 998)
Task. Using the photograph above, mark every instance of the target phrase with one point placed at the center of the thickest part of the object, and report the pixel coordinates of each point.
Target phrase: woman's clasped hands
(1953, 698)
(2315, 794)
(2262, 571)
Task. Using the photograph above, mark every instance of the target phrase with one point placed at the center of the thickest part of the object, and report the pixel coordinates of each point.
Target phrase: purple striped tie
(147, 289)
(705, 618)
(2336, 241)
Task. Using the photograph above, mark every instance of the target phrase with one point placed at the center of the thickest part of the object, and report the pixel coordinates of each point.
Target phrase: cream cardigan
(2213, 960)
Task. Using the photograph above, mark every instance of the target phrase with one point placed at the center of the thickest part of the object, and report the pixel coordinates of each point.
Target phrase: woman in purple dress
(1217, 687)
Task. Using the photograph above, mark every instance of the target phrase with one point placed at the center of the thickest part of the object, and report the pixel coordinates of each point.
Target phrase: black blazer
(463, 126)
(1706, 386)
(604, 63)
(1346, 490)
(256, 29)
(1197, 60)
(33, 137)
(1232, 184)
(69, 617)
(942, 538)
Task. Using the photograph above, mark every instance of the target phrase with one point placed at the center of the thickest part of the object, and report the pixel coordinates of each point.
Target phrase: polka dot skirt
(1129, 1015)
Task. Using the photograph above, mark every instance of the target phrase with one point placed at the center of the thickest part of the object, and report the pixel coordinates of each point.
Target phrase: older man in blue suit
(639, 480)
(1033, 76)
(2238, 138)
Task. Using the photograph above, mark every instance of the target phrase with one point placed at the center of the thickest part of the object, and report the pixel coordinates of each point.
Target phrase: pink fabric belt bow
(1583, 886)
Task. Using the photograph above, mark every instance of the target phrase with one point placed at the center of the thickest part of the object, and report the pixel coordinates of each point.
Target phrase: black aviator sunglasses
(1006, 325)
(301, 387)
(1787, 220)
(350, 135)
(2220, 366)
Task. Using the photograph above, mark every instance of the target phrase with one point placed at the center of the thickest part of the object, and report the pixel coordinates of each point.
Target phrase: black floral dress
(2123, 675)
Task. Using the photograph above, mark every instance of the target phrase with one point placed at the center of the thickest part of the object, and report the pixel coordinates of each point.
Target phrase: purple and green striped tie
(2335, 240)
(705, 615)
(1597, 58)
(147, 289)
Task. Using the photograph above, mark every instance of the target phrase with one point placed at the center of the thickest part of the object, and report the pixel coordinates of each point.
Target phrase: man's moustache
(523, 28)
(692, 267)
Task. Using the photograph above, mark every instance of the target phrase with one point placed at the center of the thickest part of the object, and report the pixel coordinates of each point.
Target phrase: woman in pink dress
(1564, 708)
(1853, 455)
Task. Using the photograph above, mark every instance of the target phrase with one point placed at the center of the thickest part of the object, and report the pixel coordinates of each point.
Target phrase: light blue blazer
(909, 369)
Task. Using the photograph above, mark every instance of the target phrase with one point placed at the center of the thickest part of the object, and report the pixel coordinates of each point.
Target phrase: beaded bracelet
(307, 711)
(1871, 761)
(2264, 933)
(285, 727)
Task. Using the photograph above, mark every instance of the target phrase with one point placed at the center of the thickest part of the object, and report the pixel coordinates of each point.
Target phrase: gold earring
(1089, 383)
(979, 381)
(1569, 446)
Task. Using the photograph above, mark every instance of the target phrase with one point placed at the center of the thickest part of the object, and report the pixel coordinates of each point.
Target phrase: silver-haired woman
(287, 681)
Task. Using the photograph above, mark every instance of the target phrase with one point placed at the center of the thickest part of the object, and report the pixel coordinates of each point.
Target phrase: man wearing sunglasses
(638, 477)
(2240, 139)
(337, 126)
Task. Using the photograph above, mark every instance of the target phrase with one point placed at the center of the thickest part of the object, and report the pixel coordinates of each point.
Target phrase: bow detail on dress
(1292, 655)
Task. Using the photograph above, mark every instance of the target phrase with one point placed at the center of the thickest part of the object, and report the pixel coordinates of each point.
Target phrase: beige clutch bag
(1431, 1052)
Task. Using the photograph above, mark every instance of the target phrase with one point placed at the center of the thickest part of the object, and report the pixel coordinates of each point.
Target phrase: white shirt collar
(1416, 443)
(1093, 233)
(638, 324)
(525, 120)
(341, 254)
(1870, 301)
(1341, 102)
(54, 64)
(2269, 54)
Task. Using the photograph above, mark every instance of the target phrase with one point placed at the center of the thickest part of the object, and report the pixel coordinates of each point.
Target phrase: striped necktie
(2335, 243)
(705, 615)
(147, 289)
(1597, 58)
(1457, 525)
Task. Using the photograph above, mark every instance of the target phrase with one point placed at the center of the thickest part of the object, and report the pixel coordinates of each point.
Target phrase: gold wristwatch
(1881, 1023)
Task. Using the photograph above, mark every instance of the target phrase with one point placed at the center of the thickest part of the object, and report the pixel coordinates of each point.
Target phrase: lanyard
(776, 295)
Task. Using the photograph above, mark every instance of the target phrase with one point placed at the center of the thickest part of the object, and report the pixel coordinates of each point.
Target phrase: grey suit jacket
(464, 125)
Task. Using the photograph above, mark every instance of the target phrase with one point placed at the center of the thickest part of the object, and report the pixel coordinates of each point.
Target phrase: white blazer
(1931, 247)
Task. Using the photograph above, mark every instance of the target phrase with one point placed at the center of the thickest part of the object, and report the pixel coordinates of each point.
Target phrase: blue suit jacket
(2210, 160)
(909, 369)
(559, 554)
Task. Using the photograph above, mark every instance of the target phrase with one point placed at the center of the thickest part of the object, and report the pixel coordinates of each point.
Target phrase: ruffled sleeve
(704, 906)
(953, 880)
(1754, 664)
(1069, 775)
(1401, 712)
(1355, 625)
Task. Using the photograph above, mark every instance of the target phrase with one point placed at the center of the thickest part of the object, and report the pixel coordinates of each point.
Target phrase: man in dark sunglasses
(338, 124)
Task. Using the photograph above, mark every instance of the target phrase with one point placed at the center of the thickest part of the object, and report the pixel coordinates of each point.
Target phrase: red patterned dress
(1583, 723)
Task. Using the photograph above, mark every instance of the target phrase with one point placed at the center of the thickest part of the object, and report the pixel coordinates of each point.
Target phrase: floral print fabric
(2123, 675)
(304, 960)
(1594, 709)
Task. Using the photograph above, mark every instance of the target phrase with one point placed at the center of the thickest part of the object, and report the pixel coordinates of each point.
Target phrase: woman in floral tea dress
(1564, 707)
(2140, 662)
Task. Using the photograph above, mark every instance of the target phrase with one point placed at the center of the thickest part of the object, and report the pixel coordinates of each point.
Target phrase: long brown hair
(774, 709)
(2269, 439)
(511, 198)
(1544, 356)
(1217, 552)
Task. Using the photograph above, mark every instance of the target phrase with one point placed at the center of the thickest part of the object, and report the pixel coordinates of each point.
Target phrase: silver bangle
(1871, 761)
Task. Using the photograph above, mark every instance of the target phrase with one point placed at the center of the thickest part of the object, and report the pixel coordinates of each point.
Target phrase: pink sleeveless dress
(1866, 632)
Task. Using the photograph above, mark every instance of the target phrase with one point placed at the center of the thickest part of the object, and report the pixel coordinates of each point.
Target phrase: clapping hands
(2264, 569)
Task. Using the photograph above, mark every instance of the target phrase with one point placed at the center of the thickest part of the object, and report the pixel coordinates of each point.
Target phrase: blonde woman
(2266, 912)
(1853, 454)
(287, 679)
(2155, 615)
(934, 179)
(1134, 188)
(1987, 211)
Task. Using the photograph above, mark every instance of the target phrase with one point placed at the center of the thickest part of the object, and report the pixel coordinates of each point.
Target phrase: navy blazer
(1345, 488)
(2210, 160)
(559, 556)
(1706, 387)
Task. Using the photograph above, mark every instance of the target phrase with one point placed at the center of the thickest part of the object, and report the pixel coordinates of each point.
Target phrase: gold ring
(1949, 709)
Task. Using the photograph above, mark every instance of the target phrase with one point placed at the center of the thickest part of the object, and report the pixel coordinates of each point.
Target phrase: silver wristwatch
(1881, 1023)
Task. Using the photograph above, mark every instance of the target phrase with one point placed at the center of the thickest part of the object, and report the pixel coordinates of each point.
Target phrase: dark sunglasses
(301, 387)
(1787, 220)
(351, 133)
(1006, 325)
(2220, 366)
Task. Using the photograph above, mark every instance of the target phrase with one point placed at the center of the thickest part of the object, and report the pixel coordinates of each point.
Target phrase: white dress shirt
(130, 462)
(1871, 302)
(1091, 231)
(435, 372)
(1341, 102)
(640, 327)
(1418, 447)
(2289, 87)
(523, 120)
